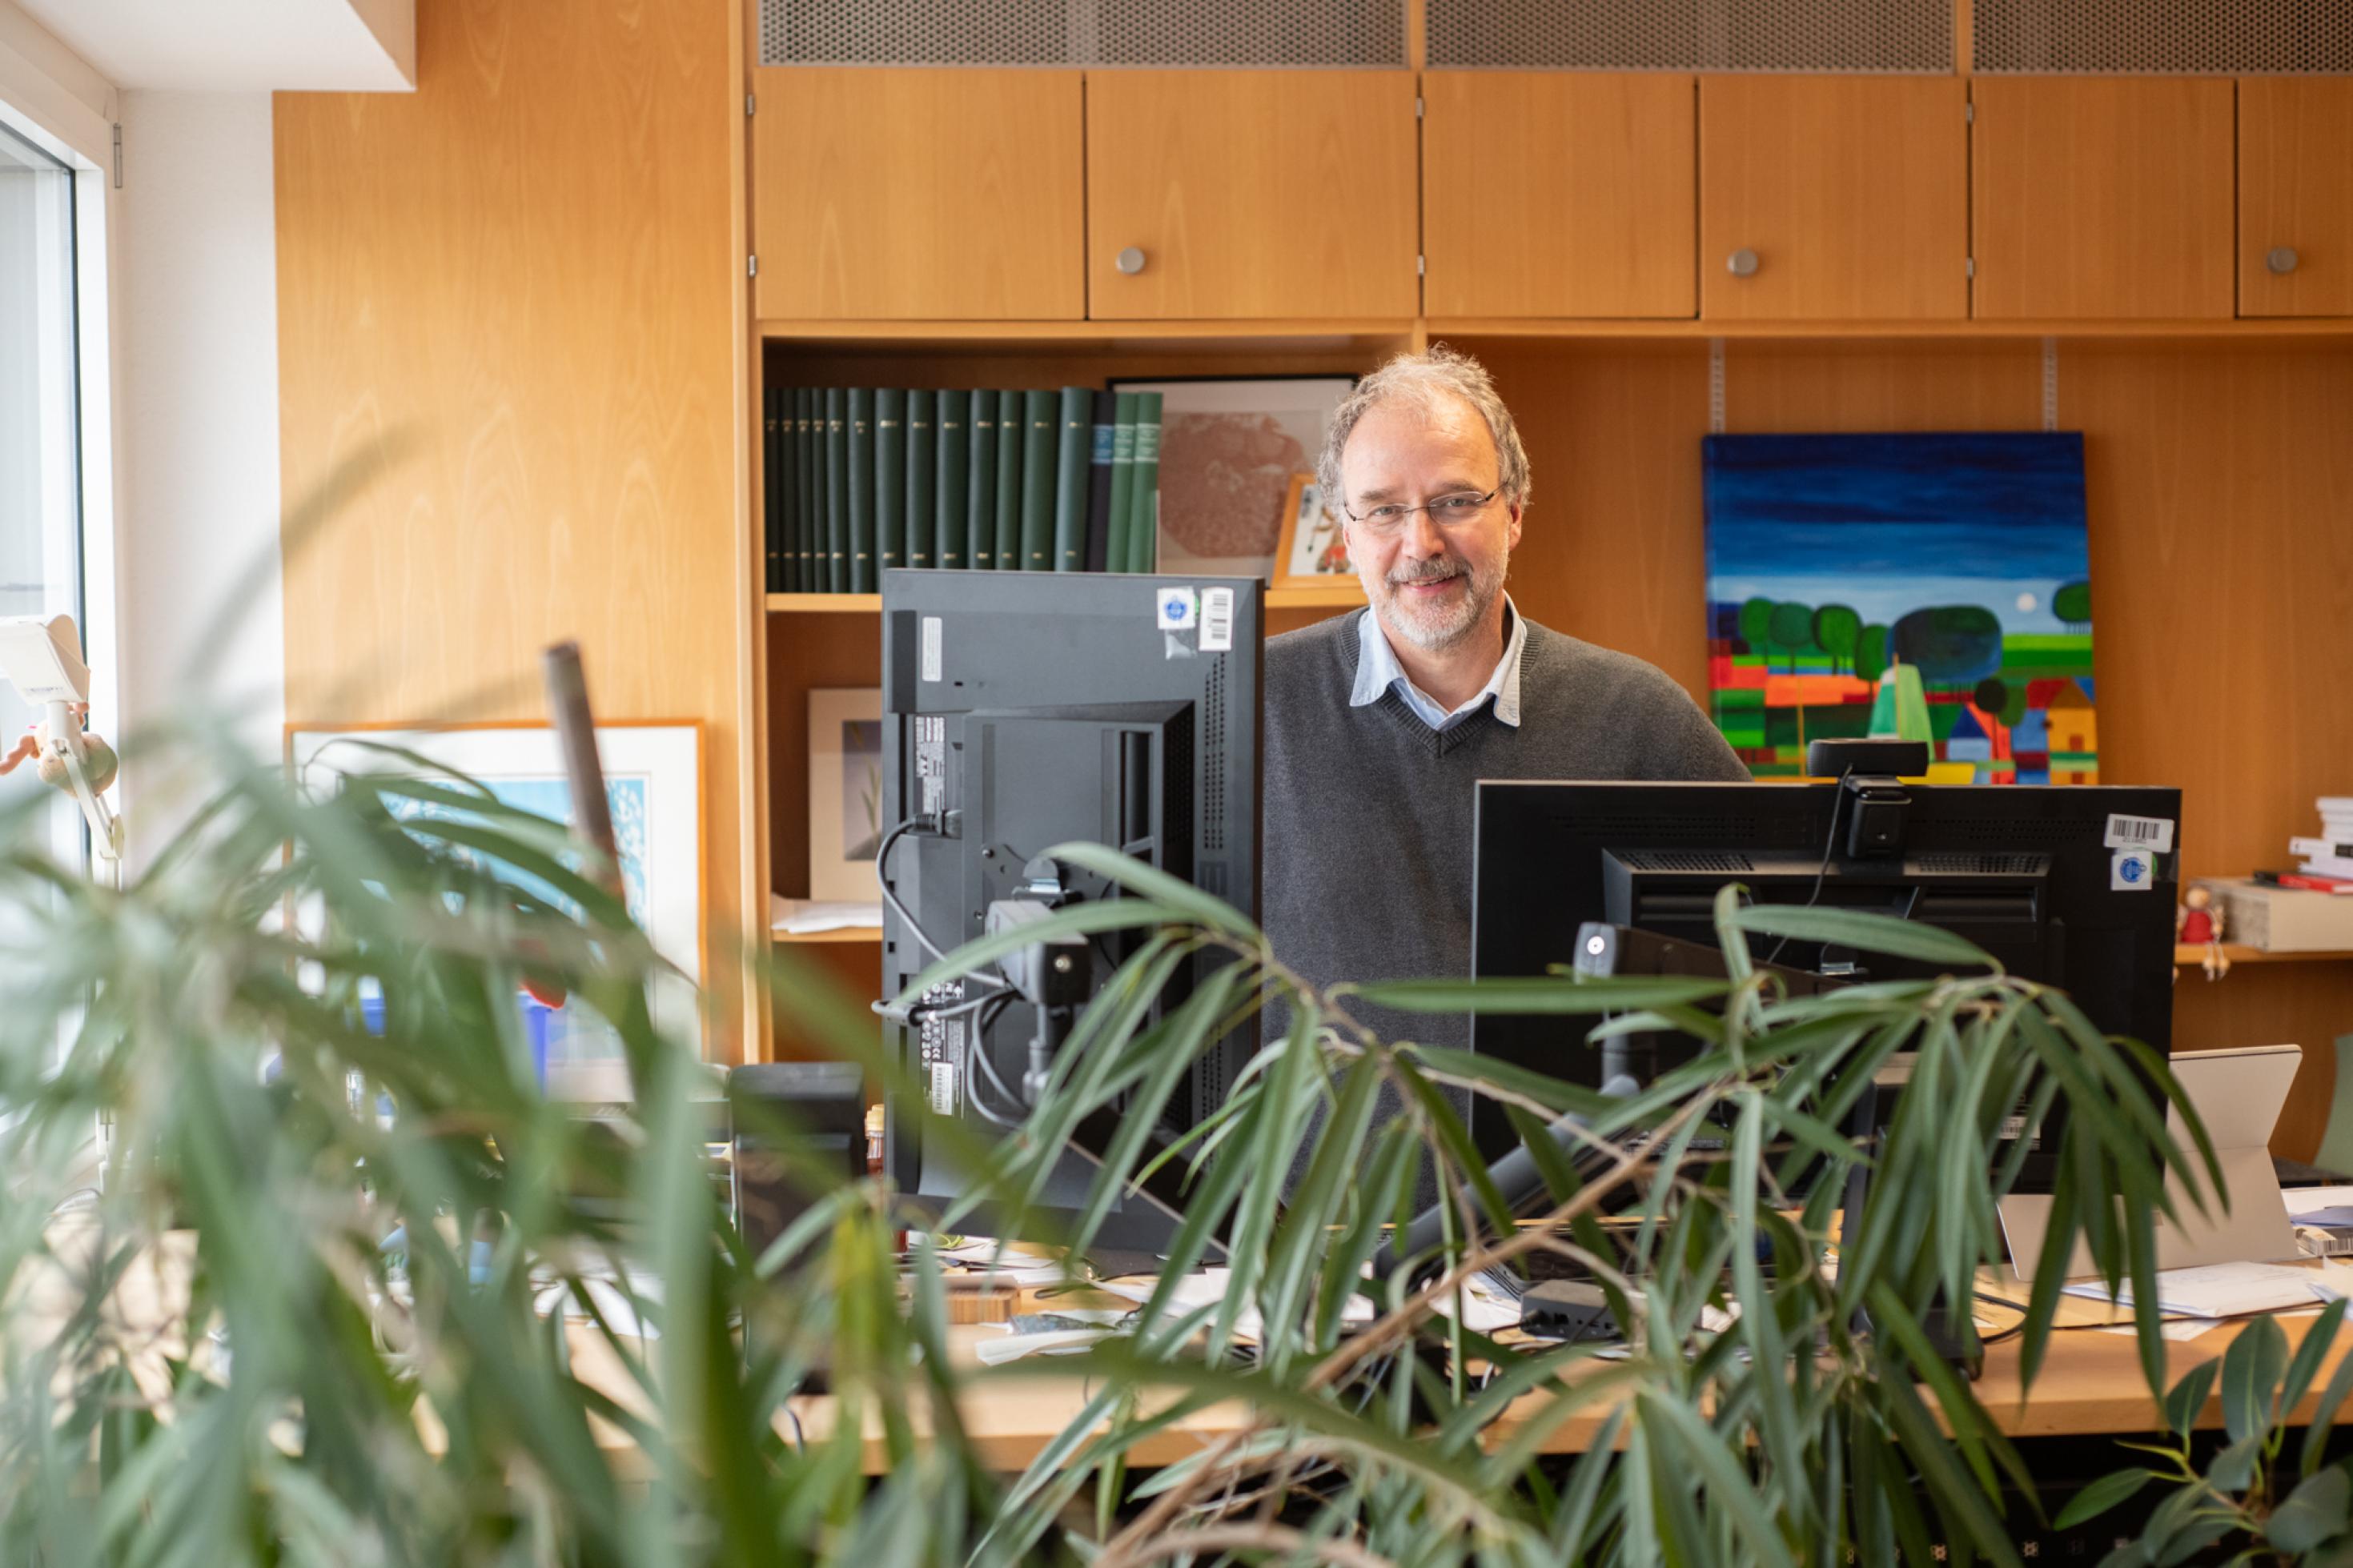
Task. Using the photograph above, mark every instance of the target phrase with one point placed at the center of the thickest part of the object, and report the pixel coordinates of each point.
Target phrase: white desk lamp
(42, 658)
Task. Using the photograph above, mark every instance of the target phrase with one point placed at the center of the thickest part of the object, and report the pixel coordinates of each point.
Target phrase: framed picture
(1315, 546)
(653, 788)
(1932, 586)
(845, 759)
(1227, 452)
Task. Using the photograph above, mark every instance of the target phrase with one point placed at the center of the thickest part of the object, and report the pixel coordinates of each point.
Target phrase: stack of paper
(2219, 1289)
(803, 917)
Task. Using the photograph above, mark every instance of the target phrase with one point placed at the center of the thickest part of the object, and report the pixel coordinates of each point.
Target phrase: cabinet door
(1834, 198)
(918, 195)
(1556, 193)
(1214, 195)
(2296, 195)
(2103, 197)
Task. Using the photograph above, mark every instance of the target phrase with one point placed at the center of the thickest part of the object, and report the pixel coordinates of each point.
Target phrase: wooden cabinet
(918, 195)
(1558, 193)
(1224, 195)
(2103, 197)
(1834, 198)
(2296, 196)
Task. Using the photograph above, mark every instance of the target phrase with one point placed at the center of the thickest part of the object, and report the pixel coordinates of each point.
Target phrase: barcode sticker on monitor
(930, 653)
(2140, 833)
(944, 1088)
(1217, 620)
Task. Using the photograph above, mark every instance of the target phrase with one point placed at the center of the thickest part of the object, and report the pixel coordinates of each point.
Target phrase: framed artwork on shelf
(1229, 452)
(1931, 586)
(1314, 550)
(845, 762)
(653, 789)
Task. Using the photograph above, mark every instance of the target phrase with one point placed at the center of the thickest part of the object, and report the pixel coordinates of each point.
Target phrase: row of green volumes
(863, 479)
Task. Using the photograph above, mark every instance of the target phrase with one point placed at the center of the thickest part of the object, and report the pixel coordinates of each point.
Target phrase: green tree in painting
(1757, 624)
(2072, 604)
(1870, 652)
(1992, 697)
(1792, 628)
(1836, 628)
(1954, 645)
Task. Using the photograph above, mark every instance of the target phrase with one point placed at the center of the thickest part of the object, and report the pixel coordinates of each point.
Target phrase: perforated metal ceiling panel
(1911, 36)
(1083, 32)
(2174, 37)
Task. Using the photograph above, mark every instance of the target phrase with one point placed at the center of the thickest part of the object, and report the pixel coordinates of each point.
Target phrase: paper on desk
(2304, 1200)
(801, 917)
(2217, 1289)
(1194, 1291)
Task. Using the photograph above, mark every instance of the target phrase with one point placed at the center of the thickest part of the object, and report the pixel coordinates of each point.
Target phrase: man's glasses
(1446, 511)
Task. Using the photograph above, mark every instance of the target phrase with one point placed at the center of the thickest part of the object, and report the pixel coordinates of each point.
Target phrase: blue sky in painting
(1888, 523)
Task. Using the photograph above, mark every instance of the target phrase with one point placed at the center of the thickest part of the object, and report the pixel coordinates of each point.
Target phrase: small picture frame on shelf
(1314, 552)
(1229, 452)
(845, 763)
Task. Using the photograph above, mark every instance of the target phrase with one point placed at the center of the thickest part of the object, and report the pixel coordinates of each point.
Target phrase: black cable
(1829, 847)
(891, 897)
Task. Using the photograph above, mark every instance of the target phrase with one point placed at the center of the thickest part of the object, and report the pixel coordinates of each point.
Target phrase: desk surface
(2090, 1382)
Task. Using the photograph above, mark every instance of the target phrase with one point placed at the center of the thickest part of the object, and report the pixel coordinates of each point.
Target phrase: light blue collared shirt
(1378, 669)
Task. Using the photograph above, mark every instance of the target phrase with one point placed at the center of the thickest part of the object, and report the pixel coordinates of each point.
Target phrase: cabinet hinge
(118, 155)
(752, 267)
(1968, 114)
(1969, 266)
(1421, 266)
(751, 105)
(1416, 106)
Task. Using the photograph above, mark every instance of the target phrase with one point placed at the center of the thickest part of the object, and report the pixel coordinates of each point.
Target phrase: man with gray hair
(1379, 725)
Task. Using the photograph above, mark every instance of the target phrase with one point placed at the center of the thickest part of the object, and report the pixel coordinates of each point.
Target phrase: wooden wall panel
(510, 298)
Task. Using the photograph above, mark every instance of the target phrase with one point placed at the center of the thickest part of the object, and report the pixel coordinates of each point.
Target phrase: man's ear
(1519, 511)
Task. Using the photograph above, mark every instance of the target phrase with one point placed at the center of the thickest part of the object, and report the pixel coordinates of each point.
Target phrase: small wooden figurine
(2200, 919)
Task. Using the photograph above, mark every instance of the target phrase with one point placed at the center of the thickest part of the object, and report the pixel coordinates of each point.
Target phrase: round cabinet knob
(1130, 261)
(1741, 263)
(2280, 259)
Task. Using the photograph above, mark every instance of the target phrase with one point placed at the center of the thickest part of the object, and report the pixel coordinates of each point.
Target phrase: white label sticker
(944, 1084)
(931, 655)
(1176, 608)
(2132, 870)
(2140, 833)
(1217, 620)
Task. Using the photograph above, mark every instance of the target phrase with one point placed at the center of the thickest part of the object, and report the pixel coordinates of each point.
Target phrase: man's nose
(1424, 540)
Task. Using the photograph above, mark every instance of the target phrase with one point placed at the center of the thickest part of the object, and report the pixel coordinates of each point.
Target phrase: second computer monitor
(2062, 885)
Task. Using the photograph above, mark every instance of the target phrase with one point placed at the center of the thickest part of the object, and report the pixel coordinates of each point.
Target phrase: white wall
(196, 535)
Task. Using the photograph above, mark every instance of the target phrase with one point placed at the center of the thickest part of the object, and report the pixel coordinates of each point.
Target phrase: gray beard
(1438, 637)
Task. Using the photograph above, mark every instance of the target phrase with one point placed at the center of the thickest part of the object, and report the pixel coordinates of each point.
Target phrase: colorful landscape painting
(1834, 560)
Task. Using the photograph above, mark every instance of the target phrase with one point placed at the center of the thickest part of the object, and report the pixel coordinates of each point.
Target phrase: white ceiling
(240, 45)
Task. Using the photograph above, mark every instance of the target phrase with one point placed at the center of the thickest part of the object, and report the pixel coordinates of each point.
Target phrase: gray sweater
(1368, 810)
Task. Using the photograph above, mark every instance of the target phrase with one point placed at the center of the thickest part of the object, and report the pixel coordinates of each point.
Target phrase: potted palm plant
(344, 1294)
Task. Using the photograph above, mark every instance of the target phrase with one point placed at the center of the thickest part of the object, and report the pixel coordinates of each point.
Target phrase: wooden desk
(2090, 1382)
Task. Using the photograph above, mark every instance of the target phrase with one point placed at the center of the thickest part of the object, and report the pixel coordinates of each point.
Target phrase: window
(40, 491)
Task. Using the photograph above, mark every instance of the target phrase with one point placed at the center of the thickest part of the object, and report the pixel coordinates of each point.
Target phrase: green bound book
(980, 497)
(808, 510)
(771, 413)
(861, 458)
(1144, 488)
(1122, 480)
(1038, 474)
(837, 574)
(922, 472)
(890, 477)
(1073, 440)
(1009, 445)
(951, 479)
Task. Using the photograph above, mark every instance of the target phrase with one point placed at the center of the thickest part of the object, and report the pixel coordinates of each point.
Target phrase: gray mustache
(1441, 574)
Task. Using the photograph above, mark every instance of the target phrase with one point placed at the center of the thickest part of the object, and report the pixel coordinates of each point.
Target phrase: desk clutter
(862, 479)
